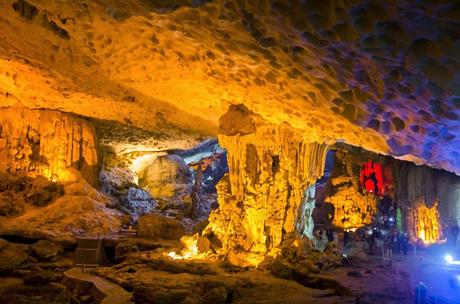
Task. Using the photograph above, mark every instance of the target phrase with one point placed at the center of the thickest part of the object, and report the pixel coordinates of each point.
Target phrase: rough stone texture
(82, 209)
(166, 177)
(11, 255)
(379, 74)
(118, 182)
(352, 208)
(429, 200)
(42, 142)
(159, 227)
(45, 249)
(269, 171)
(17, 193)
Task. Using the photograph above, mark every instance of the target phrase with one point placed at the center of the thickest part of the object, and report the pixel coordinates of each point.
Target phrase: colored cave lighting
(372, 178)
(427, 224)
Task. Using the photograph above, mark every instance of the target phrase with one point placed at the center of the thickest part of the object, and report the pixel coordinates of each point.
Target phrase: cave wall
(270, 167)
(44, 142)
(352, 207)
(429, 199)
(419, 188)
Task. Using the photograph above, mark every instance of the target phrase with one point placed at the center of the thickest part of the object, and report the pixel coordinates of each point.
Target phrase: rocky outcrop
(43, 142)
(353, 205)
(11, 255)
(118, 182)
(270, 167)
(82, 209)
(19, 192)
(429, 200)
(160, 227)
(166, 177)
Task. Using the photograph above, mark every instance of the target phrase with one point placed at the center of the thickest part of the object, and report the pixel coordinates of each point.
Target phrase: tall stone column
(261, 200)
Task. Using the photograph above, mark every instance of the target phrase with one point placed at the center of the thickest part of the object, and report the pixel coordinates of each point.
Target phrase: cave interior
(227, 151)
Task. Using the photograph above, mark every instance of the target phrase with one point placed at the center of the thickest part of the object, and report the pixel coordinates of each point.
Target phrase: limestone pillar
(261, 200)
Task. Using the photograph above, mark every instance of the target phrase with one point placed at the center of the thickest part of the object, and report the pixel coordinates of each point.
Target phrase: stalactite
(44, 142)
(270, 166)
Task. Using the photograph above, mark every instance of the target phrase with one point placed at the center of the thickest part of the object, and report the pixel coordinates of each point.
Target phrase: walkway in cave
(110, 292)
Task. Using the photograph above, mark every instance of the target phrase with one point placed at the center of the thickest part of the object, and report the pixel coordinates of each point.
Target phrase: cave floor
(373, 282)
(441, 279)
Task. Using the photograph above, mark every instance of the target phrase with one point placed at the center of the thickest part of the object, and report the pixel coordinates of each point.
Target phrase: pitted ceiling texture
(382, 75)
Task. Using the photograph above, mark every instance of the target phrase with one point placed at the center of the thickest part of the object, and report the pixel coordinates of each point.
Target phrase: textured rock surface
(11, 255)
(166, 177)
(379, 74)
(118, 182)
(159, 227)
(41, 142)
(270, 168)
(17, 193)
(353, 206)
(82, 209)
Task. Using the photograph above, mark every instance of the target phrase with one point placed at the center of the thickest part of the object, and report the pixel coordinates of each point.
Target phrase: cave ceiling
(383, 75)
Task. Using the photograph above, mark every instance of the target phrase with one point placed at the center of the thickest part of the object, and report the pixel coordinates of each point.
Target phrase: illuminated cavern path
(228, 151)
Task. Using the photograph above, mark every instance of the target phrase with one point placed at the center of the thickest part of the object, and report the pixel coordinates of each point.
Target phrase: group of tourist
(389, 243)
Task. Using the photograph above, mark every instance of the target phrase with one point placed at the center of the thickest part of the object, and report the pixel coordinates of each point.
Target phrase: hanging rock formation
(270, 166)
(44, 142)
(379, 74)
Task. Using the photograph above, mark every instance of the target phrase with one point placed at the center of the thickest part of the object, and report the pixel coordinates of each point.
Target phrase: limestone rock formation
(18, 193)
(378, 74)
(354, 207)
(160, 227)
(166, 177)
(82, 209)
(270, 166)
(42, 142)
(11, 255)
(118, 183)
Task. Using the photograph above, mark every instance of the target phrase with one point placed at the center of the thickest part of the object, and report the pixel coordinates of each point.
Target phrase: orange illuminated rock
(43, 142)
(335, 69)
(352, 209)
(426, 224)
(270, 167)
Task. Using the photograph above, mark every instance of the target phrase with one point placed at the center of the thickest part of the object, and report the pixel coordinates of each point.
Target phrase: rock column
(270, 168)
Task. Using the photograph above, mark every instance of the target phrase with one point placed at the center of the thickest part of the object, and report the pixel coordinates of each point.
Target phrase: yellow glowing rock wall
(270, 167)
(352, 209)
(43, 142)
(427, 224)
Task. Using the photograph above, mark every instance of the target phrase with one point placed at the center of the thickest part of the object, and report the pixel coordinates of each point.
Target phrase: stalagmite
(305, 222)
(44, 142)
(270, 167)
